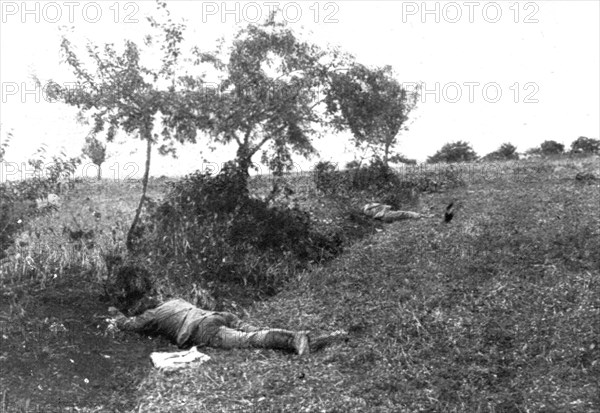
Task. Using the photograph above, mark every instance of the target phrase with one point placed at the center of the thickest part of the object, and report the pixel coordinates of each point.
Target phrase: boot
(284, 340)
(317, 343)
(301, 343)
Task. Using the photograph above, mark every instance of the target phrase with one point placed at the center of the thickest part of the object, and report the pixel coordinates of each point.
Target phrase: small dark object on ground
(78, 234)
(585, 177)
(449, 214)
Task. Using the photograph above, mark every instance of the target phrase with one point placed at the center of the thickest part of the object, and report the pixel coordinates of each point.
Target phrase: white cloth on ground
(179, 359)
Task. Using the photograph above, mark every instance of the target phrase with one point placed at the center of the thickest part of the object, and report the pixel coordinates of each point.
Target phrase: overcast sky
(492, 72)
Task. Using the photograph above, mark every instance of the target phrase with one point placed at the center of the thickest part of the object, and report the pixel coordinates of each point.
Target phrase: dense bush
(373, 177)
(9, 219)
(17, 198)
(505, 152)
(454, 152)
(379, 181)
(212, 227)
(326, 175)
(552, 148)
(17, 203)
(585, 145)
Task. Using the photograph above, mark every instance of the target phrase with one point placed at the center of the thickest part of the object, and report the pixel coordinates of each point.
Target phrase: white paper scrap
(179, 359)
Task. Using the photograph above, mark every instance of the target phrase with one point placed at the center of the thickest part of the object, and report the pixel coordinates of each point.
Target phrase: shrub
(402, 159)
(17, 198)
(9, 219)
(353, 164)
(585, 145)
(505, 152)
(379, 181)
(533, 152)
(372, 177)
(454, 152)
(552, 148)
(212, 225)
(376, 176)
(326, 176)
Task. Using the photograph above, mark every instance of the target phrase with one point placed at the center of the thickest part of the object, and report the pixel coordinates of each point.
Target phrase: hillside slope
(496, 311)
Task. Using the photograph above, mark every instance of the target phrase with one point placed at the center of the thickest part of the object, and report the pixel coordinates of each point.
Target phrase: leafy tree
(506, 151)
(123, 93)
(268, 94)
(585, 145)
(372, 104)
(96, 151)
(454, 152)
(52, 171)
(552, 148)
(266, 100)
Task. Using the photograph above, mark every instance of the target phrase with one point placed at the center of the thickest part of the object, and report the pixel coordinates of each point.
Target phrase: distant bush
(533, 152)
(374, 180)
(17, 197)
(213, 228)
(379, 181)
(353, 164)
(552, 148)
(505, 152)
(402, 159)
(326, 176)
(46, 177)
(585, 145)
(454, 152)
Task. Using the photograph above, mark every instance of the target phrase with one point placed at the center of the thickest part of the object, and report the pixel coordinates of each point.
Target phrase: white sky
(542, 56)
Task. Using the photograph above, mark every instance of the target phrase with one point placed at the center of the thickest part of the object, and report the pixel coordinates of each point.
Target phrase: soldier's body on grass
(187, 325)
(385, 213)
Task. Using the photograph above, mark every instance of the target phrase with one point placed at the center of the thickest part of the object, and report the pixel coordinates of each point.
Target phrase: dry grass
(497, 311)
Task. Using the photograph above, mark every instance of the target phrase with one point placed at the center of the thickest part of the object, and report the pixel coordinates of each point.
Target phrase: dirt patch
(56, 352)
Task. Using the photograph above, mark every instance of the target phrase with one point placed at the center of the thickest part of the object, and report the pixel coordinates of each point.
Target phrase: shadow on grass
(56, 353)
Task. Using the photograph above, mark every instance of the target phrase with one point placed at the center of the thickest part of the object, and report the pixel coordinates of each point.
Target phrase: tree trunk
(386, 154)
(99, 176)
(244, 160)
(129, 242)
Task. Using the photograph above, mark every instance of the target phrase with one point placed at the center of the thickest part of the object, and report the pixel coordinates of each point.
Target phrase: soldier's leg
(233, 321)
(268, 338)
(391, 216)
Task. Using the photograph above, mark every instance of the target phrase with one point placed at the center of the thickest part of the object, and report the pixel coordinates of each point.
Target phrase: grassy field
(497, 311)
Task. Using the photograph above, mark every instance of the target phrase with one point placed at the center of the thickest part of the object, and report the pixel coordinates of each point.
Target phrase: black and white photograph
(299, 206)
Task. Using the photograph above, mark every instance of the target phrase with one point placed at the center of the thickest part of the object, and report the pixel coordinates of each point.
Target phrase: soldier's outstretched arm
(139, 323)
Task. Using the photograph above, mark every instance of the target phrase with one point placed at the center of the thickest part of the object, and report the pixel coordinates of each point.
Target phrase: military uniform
(385, 213)
(187, 325)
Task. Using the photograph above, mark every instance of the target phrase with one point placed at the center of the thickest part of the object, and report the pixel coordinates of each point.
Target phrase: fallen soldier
(385, 213)
(187, 325)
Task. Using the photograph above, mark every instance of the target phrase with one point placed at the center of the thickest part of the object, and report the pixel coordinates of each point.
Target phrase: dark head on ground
(128, 285)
